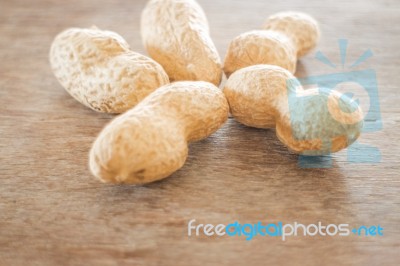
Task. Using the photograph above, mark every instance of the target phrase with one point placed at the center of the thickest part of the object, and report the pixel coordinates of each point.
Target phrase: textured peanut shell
(285, 37)
(259, 96)
(100, 71)
(260, 47)
(300, 27)
(176, 35)
(150, 141)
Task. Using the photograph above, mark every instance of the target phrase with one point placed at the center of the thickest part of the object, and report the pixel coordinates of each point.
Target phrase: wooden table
(53, 212)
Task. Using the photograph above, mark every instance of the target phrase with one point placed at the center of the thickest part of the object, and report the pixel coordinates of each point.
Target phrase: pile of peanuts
(172, 98)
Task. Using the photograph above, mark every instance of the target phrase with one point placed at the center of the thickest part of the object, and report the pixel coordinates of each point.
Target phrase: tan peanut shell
(150, 141)
(254, 47)
(285, 37)
(176, 35)
(100, 71)
(301, 28)
(310, 122)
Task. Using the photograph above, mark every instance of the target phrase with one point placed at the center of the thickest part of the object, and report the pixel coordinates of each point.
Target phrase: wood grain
(53, 212)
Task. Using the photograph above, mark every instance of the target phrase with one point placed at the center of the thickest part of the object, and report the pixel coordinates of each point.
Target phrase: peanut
(100, 71)
(310, 122)
(285, 37)
(176, 34)
(150, 141)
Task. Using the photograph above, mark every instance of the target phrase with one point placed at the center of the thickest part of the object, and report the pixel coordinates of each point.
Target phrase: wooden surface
(53, 212)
